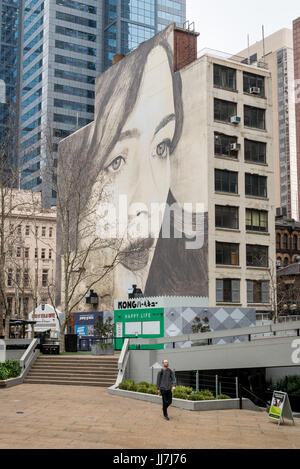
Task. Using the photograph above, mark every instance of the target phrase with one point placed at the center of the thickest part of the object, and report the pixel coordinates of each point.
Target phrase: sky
(224, 24)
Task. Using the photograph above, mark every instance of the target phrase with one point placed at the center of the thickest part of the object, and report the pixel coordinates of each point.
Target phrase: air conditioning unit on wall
(255, 90)
(235, 120)
(235, 147)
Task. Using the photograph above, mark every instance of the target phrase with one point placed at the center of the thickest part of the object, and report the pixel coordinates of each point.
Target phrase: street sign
(280, 407)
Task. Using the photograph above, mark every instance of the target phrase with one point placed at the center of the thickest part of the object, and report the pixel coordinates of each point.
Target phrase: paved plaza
(35, 416)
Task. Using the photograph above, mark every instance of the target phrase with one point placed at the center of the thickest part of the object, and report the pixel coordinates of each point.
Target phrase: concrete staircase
(74, 370)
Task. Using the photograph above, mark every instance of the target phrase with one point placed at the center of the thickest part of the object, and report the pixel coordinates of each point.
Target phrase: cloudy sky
(225, 24)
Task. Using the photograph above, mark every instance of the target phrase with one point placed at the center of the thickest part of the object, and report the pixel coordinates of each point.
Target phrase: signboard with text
(280, 407)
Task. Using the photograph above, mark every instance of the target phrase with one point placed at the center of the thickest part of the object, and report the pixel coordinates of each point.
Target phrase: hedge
(9, 369)
(181, 392)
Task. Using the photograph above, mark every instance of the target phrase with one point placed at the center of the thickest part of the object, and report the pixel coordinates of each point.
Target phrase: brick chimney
(185, 47)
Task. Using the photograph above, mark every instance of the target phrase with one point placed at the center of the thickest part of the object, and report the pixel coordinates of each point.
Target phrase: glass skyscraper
(127, 23)
(66, 44)
(10, 24)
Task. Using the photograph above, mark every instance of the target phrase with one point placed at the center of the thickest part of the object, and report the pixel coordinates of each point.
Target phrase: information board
(280, 407)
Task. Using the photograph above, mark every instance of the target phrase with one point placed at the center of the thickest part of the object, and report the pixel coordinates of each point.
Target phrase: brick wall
(185, 48)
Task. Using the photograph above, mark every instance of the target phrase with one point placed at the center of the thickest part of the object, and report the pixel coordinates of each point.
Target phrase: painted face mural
(133, 164)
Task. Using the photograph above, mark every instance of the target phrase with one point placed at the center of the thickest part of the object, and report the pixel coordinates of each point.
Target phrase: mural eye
(116, 164)
(162, 149)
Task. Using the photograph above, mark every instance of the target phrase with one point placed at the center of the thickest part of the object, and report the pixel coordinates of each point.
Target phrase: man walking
(165, 380)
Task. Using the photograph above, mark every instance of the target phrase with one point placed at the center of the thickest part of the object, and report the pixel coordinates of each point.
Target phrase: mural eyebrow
(134, 133)
(164, 122)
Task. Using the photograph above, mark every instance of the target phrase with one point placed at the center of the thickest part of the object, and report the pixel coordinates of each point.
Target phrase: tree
(83, 258)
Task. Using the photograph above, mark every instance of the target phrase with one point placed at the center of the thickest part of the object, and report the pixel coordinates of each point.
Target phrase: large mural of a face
(139, 120)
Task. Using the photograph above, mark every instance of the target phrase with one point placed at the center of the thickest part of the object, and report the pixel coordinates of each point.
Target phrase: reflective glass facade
(128, 23)
(10, 12)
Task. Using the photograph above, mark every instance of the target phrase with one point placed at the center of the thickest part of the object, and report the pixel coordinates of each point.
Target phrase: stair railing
(122, 363)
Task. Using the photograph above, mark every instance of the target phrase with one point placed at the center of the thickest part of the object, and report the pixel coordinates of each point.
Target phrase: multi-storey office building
(193, 136)
(67, 43)
(277, 52)
(10, 40)
(296, 44)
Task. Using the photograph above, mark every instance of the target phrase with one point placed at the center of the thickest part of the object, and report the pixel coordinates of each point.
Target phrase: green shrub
(289, 384)
(152, 389)
(142, 388)
(143, 383)
(184, 389)
(128, 384)
(223, 396)
(196, 396)
(9, 369)
(207, 394)
(179, 394)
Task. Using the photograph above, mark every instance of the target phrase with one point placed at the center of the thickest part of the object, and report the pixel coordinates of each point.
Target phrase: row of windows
(34, 28)
(287, 242)
(33, 69)
(71, 120)
(225, 77)
(226, 145)
(17, 279)
(32, 98)
(75, 19)
(66, 75)
(31, 113)
(28, 229)
(228, 291)
(32, 84)
(34, 41)
(227, 181)
(74, 91)
(228, 217)
(33, 15)
(73, 105)
(77, 6)
(254, 117)
(30, 127)
(74, 33)
(227, 254)
(170, 4)
(30, 6)
(70, 46)
(62, 59)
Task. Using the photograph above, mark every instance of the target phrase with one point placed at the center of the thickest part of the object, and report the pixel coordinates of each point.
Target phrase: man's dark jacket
(166, 379)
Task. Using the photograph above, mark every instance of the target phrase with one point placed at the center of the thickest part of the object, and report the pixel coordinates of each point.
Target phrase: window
(258, 291)
(25, 306)
(226, 181)
(227, 254)
(224, 110)
(36, 253)
(224, 77)
(9, 304)
(43, 231)
(76, 19)
(27, 230)
(256, 220)
(45, 278)
(227, 291)
(9, 277)
(26, 278)
(50, 253)
(227, 217)
(50, 232)
(254, 117)
(18, 251)
(255, 152)
(26, 253)
(223, 145)
(19, 229)
(295, 243)
(278, 241)
(36, 231)
(286, 242)
(256, 185)
(43, 256)
(254, 81)
(257, 256)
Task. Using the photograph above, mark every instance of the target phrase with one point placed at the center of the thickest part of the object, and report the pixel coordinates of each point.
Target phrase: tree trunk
(6, 326)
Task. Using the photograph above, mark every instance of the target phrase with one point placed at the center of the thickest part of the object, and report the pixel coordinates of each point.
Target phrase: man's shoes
(166, 417)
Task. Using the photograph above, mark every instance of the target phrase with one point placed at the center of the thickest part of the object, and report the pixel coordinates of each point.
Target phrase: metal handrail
(31, 349)
(250, 331)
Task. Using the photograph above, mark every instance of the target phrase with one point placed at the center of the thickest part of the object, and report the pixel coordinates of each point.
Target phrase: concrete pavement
(38, 416)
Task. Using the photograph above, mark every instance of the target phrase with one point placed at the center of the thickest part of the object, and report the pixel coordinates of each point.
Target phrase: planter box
(97, 350)
(7, 383)
(221, 404)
